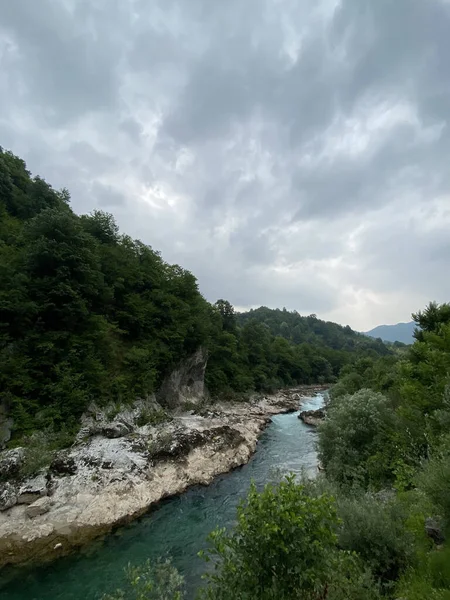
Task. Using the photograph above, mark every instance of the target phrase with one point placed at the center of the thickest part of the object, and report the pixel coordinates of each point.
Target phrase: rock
(58, 546)
(115, 430)
(186, 383)
(63, 464)
(312, 417)
(10, 462)
(8, 496)
(433, 529)
(6, 425)
(39, 507)
(33, 489)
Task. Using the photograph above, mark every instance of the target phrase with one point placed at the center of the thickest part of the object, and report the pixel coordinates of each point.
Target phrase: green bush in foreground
(284, 547)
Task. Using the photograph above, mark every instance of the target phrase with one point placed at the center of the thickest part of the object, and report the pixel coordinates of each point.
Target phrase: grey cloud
(66, 67)
(246, 140)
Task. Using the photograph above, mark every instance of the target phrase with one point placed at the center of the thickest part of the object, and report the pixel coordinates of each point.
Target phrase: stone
(33, 489)
(8, 496)
(312, 417)
(6, 424)
(63, 464)
(433, 529)
(115, 430)
(38, 508)
(10, 462)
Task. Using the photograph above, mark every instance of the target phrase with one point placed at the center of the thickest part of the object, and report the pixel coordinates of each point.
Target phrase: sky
(290, 153)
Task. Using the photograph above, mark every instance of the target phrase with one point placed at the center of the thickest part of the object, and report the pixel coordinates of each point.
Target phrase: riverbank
(103, 482)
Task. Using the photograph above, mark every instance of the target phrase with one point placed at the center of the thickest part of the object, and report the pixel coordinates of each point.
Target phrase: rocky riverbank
(119, 468)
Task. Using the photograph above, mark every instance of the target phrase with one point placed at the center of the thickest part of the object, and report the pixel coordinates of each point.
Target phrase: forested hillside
(88, 313)
(292, 326)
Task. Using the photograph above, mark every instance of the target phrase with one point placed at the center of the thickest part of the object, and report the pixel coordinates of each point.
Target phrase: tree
(354, 439)
(431, 318)
(226, 311)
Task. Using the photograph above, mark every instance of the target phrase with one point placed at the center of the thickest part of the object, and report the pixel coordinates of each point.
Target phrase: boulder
(39, 507)
(8, 496)
(10, 462)
(434, 530)
(63, 464)
(312, 417)
(116, 429)
(33, 489)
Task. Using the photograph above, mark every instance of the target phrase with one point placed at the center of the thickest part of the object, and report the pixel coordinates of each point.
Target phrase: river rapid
(178, 527)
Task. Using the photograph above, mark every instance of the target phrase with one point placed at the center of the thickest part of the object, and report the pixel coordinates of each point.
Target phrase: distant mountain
(401, 332)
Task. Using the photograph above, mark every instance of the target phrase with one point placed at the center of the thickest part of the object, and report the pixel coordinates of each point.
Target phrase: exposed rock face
(10, 463)
(186, 383)
(63, 464)
(8, 495)
(434, 530)
(33, 489)
(312, 417)
(116, 430)
(38, 508)
(105, 481)
(6, 425)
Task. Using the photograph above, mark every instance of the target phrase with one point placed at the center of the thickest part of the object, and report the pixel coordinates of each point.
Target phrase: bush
(354, 439)
(152, 417)
(151, 581)
(431, 580)
(284, 547)
(434, 480)
(377, 531)
(40, 447)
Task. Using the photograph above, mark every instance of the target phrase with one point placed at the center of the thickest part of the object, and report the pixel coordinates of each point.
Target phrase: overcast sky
(289, 153)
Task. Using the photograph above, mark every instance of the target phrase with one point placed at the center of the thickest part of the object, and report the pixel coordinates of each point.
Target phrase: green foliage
(151, 581)
(354, 439)
(40, 447)
(284, 546)
(430, 580)
(152, 417)
(434, 480)
(377, 531)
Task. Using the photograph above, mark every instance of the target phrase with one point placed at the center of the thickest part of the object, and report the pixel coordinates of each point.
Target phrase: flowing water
(177, 527)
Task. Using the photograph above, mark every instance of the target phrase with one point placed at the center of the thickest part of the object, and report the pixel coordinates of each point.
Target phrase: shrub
(283, 547)
(40, 447)
(151, 581)
(434, 480)
(377, 531)
(354, 439)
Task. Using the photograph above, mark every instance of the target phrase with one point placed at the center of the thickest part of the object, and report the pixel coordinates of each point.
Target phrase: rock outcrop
(186, 383)
(312, 417)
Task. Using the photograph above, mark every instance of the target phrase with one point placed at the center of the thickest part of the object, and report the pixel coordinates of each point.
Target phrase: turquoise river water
(177, 527)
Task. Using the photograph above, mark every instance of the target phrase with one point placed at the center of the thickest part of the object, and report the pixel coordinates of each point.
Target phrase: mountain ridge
(398, 332)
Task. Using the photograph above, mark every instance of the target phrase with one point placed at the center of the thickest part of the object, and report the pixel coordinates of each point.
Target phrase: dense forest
(88, 313)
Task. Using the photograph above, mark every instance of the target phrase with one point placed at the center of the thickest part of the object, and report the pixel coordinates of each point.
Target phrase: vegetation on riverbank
(87, 313)
(375, 524)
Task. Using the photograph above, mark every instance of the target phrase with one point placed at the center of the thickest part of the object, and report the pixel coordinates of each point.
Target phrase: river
(177, 527)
